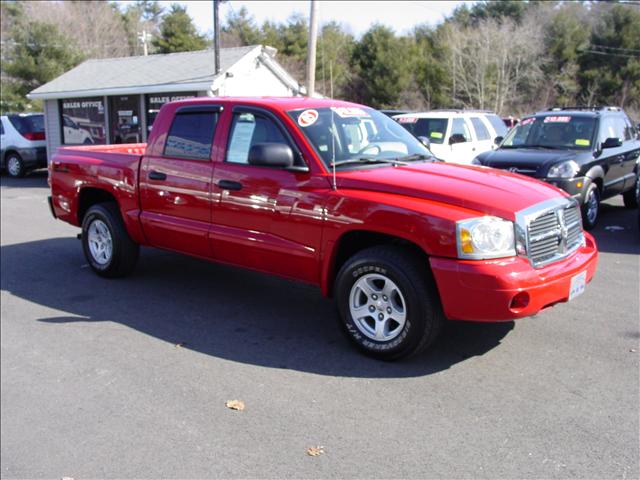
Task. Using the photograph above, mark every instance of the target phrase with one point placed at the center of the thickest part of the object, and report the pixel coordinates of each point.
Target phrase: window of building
(155, 101)
(249, 129)
(83, 121)
(191, 135)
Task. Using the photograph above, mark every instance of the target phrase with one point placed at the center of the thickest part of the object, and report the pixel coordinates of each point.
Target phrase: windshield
(342, 134)
(432, 128)
(552, 131)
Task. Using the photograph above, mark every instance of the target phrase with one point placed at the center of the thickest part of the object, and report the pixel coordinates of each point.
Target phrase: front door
(175, 184)
(266, 218)
(461, 145)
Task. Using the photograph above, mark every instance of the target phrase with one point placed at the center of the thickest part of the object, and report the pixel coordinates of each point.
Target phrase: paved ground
(93, 384)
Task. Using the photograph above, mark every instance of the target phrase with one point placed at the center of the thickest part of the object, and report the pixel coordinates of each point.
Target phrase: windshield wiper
(415, 157)
(366, 160)
(550, 147)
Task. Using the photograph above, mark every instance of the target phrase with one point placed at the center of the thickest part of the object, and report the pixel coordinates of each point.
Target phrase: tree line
(512, 57)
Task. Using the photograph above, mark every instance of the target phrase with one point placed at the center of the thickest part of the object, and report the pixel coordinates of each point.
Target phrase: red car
(337, 195)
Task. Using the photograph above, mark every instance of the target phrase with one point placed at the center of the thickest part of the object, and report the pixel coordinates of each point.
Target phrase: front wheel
(388, 304)
(107, 246)
(591, 207)
(632, 197)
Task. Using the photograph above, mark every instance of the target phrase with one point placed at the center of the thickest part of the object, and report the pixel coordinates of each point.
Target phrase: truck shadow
(217, 310)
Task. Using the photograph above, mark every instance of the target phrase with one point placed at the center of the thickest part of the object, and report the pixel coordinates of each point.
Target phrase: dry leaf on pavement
(235, 404)
(315, 451)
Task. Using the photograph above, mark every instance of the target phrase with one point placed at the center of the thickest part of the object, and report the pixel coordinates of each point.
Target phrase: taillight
(34, 135)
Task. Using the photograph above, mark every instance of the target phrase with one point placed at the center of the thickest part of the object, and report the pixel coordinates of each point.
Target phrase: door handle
(229, 185)
(153, 175)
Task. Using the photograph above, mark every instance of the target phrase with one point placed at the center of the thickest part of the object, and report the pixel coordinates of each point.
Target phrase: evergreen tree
(178, 33)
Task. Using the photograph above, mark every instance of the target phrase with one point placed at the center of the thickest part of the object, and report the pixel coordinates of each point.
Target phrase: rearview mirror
(271, 155)
(612, 142)
(456, 138)
(425, 141)
(498, 140)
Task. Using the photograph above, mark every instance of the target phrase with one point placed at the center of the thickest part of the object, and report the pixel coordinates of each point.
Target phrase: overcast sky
(357, 15)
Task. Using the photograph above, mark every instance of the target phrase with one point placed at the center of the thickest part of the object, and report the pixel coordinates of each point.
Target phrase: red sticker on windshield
(307, 118)
(349, 112)
(557, 119)
(407, 120)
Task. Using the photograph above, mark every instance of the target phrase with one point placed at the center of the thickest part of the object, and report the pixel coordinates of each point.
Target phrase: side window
(191, 135)
(249, 129)
(481, 131)
(459, 127)
(607, 129)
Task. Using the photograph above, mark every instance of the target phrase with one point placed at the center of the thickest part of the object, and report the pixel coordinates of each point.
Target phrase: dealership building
(116, 100)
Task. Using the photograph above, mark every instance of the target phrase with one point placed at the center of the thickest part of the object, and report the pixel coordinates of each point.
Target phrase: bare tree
(95, 27)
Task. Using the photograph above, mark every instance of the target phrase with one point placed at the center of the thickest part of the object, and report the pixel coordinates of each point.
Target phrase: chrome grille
(552, 233)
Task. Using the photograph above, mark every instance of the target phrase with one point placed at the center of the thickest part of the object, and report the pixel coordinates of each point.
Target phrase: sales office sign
(162, 99)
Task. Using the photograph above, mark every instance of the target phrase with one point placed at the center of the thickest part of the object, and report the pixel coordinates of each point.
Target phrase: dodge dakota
(337, 195)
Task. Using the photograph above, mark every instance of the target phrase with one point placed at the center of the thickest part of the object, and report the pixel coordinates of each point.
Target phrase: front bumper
(485, 291)
(576, 187)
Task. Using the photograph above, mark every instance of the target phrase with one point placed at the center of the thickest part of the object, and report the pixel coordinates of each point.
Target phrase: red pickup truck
(337, 195)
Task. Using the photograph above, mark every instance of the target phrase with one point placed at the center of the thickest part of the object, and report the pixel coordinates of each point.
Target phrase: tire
(630, 197)
(401, 311)
(15, 166)
(591, 207)
(107, 246)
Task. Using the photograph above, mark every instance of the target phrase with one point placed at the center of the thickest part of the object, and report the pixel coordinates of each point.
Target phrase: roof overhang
(134, 90)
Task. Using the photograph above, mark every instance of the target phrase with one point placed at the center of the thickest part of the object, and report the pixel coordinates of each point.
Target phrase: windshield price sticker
(407, 120)
(527, 121)
(436, 135)
(350, 112)
(562, 119)
(582, 142)
(308, 118)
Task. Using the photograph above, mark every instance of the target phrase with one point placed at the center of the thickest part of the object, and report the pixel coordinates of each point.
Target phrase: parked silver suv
(22, 143)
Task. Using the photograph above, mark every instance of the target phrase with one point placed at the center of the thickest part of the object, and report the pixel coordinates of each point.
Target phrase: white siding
(52, 126)
(250, 77)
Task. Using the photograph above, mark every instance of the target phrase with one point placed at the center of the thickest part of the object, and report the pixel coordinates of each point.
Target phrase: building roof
(186, 71)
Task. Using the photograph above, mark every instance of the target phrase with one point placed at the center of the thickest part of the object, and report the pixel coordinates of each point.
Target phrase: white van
(456, 136)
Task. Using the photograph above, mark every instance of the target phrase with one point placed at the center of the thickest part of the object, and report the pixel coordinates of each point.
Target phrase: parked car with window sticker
(455, 136)
(591, 153)
(22, 143)
(337, 195)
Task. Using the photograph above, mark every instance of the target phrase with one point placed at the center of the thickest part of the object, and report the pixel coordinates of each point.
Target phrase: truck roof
(283, 104)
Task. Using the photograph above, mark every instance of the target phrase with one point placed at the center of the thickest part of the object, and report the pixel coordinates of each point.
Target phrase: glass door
(124, 119)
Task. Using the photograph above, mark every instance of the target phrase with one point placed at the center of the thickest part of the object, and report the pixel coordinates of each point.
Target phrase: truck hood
(485, 190)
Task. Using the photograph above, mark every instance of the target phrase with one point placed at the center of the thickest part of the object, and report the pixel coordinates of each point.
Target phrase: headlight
(566, 169)
(485, 237)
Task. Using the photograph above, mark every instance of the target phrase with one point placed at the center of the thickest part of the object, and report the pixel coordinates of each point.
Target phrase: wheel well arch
(596, 175)
(354, 241)
(8, 152)
(90, 196)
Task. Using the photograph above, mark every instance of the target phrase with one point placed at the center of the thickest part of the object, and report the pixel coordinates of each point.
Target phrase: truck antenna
(333, 129)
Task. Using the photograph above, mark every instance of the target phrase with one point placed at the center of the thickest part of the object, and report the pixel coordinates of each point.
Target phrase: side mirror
(612, 142)
(498, 140)
(271, 155)
(425, 141)
(456, 138)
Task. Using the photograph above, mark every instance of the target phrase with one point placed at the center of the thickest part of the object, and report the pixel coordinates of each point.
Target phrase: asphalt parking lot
(129, 378)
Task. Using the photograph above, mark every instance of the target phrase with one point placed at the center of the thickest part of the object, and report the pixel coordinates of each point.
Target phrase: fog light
(521, 300)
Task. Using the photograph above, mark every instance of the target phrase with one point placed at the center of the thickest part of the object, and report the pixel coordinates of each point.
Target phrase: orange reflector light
(465, 241)
(579, 184)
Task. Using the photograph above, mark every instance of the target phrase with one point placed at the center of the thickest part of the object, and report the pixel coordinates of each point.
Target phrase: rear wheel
(591, 207)
(630, 197)
(388, 305)
(15, 166)
(107, 246)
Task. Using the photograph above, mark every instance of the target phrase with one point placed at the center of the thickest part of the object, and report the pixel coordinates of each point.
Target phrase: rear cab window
(191, 135)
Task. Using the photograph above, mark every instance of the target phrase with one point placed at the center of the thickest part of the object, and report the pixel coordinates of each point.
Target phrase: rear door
(175, 183)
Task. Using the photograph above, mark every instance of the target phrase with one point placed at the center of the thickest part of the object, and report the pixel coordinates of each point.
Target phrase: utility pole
(311, 51)
(216, 35)
(144, 36)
